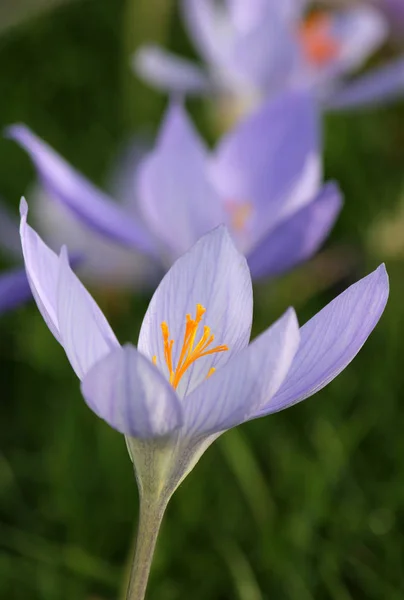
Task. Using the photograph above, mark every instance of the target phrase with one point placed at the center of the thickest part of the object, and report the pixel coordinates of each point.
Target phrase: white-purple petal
(89, 204)
(168, 72)
(128, 392)
(298, 237)
(84, 331)
(215, 275)
(210, 28)
(332, 338)
(379, 85)
(42, 268)
(247, 382)
(177, 201)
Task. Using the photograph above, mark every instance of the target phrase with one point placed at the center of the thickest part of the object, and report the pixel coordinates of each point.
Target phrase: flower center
(190, 351)
(316, 37)
(239, 212)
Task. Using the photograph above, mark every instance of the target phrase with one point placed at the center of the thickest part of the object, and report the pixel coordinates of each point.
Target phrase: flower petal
(210, 28)
(239, 389)
(177, 200)
(332, 338)
(361, 31)
(90, 205)
(377, 86)
(128, 392)
(166, 71)
(14, 289)
(271, 159)
(265, 55)
(42, 268)
(214, 274)
(85, 333)
(298, 237)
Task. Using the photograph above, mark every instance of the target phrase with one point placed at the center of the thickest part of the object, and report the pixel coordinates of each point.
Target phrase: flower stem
(151, 513)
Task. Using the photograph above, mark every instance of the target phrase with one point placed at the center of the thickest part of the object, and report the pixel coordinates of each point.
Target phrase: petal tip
(23, 208)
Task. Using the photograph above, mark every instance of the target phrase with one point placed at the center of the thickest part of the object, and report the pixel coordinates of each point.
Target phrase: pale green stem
(151, 512)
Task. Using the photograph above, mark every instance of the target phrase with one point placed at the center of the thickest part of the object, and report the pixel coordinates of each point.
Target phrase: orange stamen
(189, 351)
(316, 37)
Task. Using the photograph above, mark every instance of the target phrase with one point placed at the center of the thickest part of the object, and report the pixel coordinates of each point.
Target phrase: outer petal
(14, 289)
(376, 86)
(235, 392)
(176, 198)
(42, 268)
(166, 71)
(214, 274)
(360, 30)
(331, 339)
(94, 208)
(128, 392)
(298, 237)
(85, 333)
(271, 159)
(210, 28)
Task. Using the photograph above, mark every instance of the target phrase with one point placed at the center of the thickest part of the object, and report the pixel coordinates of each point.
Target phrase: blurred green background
(307, 504)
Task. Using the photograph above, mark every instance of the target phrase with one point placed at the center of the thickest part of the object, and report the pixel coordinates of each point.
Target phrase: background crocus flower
(255, 49)
(263, 181)
(194, 374)
(103, 262)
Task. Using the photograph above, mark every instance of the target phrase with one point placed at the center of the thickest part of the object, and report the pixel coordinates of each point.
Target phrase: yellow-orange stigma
(316, 38)
(190, 351)
(240, 213)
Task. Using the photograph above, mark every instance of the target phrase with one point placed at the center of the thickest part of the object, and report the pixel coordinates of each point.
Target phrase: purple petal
(238, 390)
(92, 207)
(297, 238)
(42, 268)
(210, 28)
(214, 274)
(271, 159)
(178, 202)
(14, 289)
(166, 71)
(264, 56)
(332, 338)
(103, 262)
(85, 333)
(128, 392)
(359, 31)
(379, 85)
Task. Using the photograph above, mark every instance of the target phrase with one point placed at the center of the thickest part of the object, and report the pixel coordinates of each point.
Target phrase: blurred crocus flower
(103, 262)
(257, 48)
(263, 181)
(194, 374)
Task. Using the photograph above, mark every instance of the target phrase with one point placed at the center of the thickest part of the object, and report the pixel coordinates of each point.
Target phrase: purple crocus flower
(263, 181)
(103, 262)
(257, 48)
(193, 374)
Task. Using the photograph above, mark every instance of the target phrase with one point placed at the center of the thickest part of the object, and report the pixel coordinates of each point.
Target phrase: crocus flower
(193, 374)
(102, 262)
(257, 48)
(263, 181)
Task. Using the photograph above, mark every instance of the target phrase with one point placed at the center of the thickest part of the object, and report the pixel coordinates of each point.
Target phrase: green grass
(305, 505)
